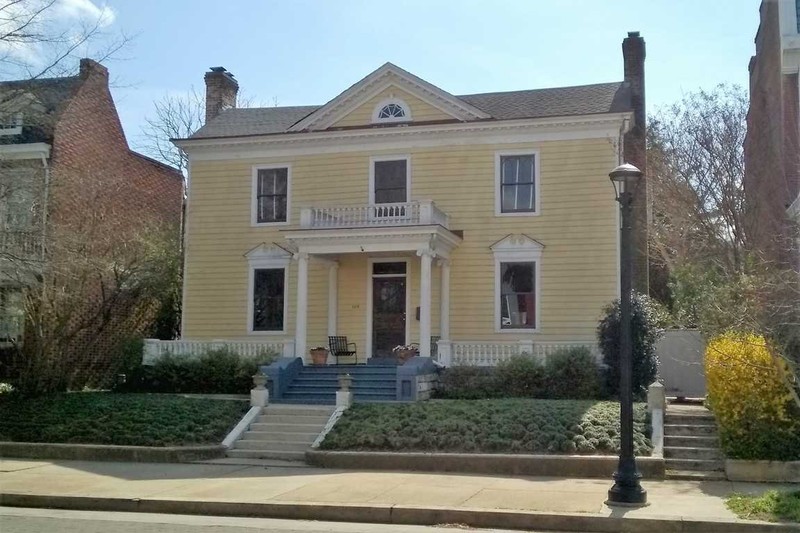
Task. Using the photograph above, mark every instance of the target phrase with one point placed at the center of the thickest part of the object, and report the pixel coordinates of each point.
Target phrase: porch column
(333, 296)
(444, 300)
(426, 258)
(301, 327)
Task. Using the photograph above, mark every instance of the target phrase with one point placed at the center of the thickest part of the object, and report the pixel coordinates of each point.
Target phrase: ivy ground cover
(489, 426)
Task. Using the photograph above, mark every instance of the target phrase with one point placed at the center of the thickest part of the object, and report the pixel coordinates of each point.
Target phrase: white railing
(481, 353)
(423, 212)
(155, 349)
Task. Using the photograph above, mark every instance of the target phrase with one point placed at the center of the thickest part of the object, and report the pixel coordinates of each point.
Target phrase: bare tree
(718, 279)
(176, 117)
(43, 38)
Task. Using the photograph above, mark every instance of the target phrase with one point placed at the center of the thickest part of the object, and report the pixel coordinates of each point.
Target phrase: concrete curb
(763, 471)
(98, 452)
(405, 515)
(579, 466)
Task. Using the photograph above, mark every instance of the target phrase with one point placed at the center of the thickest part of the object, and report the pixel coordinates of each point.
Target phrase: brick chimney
(221, 91)
(90, 67)
(633, 53)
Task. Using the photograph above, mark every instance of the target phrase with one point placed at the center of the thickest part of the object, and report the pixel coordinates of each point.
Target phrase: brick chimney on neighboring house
(221, 91)
(633, 53)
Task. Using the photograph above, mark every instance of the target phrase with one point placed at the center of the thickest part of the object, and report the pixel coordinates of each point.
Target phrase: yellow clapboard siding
(577, 227)
(421, 111)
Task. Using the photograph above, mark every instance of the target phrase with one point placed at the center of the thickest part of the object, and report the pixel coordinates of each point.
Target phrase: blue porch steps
(318, 384)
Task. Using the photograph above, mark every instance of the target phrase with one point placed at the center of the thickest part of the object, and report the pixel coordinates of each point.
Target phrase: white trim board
(407, 137)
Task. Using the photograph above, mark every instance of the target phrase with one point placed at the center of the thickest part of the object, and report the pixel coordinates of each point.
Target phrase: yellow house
(475, 226)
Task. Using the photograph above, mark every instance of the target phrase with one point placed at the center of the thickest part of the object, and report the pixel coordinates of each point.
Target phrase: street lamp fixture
(627, 491)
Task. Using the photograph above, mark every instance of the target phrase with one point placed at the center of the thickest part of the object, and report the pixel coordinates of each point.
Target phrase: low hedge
(214, 372)
(491, 426)
(570, 373)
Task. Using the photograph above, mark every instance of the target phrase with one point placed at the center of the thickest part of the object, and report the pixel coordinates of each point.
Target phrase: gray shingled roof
(537, 103)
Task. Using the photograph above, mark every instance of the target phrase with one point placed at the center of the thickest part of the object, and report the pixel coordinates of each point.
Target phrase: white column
(444, 300)
(333, 297)
(426, 258)
(301, 326)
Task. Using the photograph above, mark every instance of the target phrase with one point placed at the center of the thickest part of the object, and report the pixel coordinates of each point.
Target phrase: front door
(388, 307)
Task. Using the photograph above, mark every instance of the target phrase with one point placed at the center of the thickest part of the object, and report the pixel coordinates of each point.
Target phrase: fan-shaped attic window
(391, 110)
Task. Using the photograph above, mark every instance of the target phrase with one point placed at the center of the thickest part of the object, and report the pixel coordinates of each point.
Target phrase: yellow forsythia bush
(750, 400)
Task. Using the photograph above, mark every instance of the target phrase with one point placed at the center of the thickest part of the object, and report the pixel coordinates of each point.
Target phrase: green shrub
(572, 373)
(646, 321)
(218, 371)
(521, 376)
(467, 383)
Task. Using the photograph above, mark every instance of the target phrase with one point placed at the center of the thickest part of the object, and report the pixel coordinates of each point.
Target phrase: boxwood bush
(569, 373)
(213, 372)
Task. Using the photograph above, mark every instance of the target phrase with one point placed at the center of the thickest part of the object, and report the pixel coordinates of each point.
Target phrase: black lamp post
(627, 491)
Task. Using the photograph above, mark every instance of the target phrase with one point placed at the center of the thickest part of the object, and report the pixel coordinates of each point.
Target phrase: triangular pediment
(517, 243)
(268, 252)
(387, 80)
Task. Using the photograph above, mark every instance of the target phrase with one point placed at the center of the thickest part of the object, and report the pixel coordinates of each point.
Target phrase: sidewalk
(388, 497)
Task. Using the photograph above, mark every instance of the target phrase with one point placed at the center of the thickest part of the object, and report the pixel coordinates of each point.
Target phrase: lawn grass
(772, 506)
(125, 419)
(493, 426)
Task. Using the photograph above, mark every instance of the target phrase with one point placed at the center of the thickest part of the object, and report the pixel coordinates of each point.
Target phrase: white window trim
(254, 195)
(537, 190)
(14, 130)
(397, 157)
(370, 262)
(267, 259)
(530, 253)
(391, 100)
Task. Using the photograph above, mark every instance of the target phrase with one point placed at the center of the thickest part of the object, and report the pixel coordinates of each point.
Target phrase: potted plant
(319, 355)
(404, 352)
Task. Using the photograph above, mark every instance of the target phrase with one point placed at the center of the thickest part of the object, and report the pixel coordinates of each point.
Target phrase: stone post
(259, 395)
(656, 404)
(344, 396)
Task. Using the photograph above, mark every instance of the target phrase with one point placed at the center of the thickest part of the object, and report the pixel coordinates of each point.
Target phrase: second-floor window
(516, 184)
(271, 195)
(390, 183)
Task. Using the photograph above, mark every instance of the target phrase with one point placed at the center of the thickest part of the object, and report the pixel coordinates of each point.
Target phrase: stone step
(691, 441)
(682, 430)
(357, 389)
(352, 370)
(334, 379)
(708, 454)
(329, 400)
(321, 395)
(271, 436)
(286, 428)
(289, 419)
(685, 419)
(694, 475)
(276, 446)
(267, 454)
(299, 410)
(694, 465)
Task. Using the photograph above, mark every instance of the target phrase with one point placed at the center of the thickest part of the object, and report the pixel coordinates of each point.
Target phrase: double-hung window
(271, 195)
(269, 286)
(518, 295)
(389, 186)
(517, 184)
(517, 286)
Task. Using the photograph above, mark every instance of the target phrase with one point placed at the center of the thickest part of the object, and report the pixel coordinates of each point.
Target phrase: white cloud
(85, 11)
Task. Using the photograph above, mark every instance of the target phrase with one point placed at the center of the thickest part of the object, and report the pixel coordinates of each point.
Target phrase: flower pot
(405, 355)
(319, 357)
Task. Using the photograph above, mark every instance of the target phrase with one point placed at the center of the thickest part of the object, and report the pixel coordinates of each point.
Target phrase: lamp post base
(627, 492)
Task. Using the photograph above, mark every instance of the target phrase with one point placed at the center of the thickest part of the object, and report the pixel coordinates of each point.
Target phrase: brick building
(65, 165)
(772, 146)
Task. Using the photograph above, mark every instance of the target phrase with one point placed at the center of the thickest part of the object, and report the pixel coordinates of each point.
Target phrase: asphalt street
(18, 520)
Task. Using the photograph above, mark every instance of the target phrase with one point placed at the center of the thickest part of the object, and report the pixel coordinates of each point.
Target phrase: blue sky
(307, 51)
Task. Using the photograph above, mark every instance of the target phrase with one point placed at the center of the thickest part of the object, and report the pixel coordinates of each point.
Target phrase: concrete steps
(691, 446)
(282, 432)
